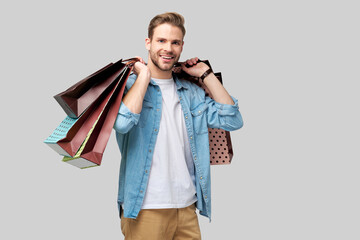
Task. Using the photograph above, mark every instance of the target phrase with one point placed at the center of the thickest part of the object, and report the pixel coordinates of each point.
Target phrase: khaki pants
(162, 224)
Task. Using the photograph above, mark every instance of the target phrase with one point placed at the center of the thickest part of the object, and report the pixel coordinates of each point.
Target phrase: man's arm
(131, 104)
(134, 97)
(215, 87)
(222, 110)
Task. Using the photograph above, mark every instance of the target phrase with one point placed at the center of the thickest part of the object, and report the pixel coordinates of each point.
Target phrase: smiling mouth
(167, 58)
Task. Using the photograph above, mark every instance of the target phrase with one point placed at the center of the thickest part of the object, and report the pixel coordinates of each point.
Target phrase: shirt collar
(178, 83)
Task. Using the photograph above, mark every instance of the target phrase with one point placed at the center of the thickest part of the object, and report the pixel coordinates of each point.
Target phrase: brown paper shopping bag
(92, 149)
(76, 99)
(75, 137)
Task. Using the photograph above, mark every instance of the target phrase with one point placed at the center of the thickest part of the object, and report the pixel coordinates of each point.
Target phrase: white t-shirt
(172, 177)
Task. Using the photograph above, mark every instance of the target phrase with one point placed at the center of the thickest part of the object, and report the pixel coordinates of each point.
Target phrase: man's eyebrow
(174, 40)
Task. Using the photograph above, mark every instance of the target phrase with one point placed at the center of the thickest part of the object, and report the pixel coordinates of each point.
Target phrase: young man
(162, 133)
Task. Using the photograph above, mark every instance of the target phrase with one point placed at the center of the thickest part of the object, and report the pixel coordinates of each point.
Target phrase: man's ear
(147, 43)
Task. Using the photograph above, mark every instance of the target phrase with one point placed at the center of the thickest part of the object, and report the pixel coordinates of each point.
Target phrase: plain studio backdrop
(293, 66)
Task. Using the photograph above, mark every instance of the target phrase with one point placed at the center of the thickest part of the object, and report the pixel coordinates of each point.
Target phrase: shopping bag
(76, 99)
(60, 133)
(83, 139)
(221, 151)
(92, 149)
(71, 133)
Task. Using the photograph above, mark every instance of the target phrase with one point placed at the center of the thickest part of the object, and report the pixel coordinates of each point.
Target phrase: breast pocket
(199, 118)
(145, 113)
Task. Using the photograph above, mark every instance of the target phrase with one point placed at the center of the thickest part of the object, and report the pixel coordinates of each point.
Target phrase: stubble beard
(155, 59)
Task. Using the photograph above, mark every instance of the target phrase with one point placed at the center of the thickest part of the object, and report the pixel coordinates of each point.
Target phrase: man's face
(165, 46)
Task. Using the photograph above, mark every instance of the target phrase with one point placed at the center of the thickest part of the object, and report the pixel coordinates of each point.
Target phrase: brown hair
(172, 18)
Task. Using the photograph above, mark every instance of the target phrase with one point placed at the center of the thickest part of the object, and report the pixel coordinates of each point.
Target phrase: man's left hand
(196, 69)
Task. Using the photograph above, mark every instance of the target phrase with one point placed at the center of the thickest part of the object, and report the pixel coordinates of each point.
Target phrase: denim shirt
(136, 136)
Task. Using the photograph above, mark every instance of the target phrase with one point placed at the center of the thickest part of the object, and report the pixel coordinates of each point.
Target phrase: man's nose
(167, 47)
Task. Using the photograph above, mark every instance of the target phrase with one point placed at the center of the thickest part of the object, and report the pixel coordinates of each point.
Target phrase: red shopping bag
(91, 152)
(83, 140)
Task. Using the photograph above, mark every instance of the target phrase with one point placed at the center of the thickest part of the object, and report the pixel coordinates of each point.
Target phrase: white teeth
(167, 57)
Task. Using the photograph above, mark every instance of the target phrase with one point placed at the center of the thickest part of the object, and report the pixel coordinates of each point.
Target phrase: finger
(183, 66)
(140, 59)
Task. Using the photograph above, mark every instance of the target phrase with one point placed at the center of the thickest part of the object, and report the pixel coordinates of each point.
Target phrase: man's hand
(133, 99)
(196, 69)
(217, 90)
(141, 68)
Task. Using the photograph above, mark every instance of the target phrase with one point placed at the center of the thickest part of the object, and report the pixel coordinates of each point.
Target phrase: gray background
(293, 65)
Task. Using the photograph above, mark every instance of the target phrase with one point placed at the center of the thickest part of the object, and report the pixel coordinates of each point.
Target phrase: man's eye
(161, 41)
(176, 43)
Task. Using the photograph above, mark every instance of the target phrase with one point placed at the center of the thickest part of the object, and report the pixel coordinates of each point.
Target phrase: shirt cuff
(125, 111)
(227, 109)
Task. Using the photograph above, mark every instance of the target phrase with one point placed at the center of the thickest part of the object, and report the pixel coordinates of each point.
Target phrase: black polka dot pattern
(220, 146)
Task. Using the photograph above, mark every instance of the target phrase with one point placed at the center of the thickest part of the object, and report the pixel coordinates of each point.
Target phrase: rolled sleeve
(125, 119)
(224, 116)
(227, 109)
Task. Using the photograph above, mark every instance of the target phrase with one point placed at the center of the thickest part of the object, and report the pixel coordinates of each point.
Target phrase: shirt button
(155, 129)
(191, 137)
(157, 109)
(146, 171)
(186, 117)
(142, 192)
(194, 158)
(199, 111)
(149, 150)
(205, 197)
(180, 98)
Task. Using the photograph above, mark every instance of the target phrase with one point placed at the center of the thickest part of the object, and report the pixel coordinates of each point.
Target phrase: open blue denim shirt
(136, 136)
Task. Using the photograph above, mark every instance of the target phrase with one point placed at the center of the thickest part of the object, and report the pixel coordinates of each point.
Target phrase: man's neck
(158, 73)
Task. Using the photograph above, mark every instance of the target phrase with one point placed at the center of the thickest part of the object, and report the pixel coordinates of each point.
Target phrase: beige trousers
(163, 224)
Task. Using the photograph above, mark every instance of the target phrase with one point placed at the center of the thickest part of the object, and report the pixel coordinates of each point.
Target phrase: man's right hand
(133, 99)
(141, 68)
